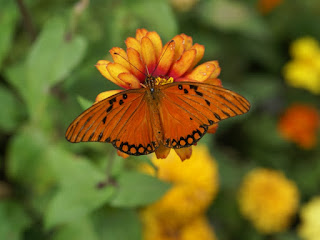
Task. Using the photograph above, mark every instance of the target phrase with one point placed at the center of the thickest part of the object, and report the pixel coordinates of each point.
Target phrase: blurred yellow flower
(268, 199)
(309, 228)
(197, 228)
(195, 184)
(300, 124)
(183, 5)
(303, 71)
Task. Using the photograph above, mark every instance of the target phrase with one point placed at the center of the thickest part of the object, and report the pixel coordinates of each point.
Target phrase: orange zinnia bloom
(266, 6)
(299, 124)
(173, 62)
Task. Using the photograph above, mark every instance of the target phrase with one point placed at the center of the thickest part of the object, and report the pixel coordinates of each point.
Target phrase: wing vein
(124, 124)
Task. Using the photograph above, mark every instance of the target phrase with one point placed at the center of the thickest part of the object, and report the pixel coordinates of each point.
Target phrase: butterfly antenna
(115, 53)
(148, 74)
(162, 56)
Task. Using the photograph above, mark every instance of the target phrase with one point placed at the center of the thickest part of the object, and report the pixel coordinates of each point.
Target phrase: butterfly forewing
(122, 119)
(187, 109)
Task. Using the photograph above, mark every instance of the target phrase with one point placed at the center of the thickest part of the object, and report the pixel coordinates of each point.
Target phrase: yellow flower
(195, 184)
(303, 71)
(268, 199)
(183, 5)
(173, 62)
(198, 228)
(300, 124)
(309, 228)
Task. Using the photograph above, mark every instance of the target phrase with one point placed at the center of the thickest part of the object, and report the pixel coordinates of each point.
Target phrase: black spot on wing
(90, 137)
(198, 93)
(104, 120)
(109, 108)
(217, 116)
(112, 100)
(100, 136)
(194, 87)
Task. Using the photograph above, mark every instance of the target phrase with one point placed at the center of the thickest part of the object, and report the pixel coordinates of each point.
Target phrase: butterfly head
(151, 81)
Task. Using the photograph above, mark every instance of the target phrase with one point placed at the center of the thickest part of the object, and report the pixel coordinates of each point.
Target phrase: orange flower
(299, 124)
(266, 6)
(173, 62)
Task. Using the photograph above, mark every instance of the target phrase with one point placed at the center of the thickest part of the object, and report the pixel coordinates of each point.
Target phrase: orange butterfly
(161, 113)
(175, 115)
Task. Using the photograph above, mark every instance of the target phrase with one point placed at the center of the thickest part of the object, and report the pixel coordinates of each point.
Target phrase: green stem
(27, 19)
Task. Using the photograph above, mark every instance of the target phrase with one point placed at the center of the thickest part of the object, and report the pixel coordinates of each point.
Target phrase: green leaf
(78, 194)
(11, 109)
(84, 103)
(53, 56)
(145, 12)
(27, 162)
(13, 220)
(229, 15)
(117, 224)
(8, 20)
(80, 229)
(138, 189)
(258, 88)
(51, 59)
(28, 166)
(15, 75)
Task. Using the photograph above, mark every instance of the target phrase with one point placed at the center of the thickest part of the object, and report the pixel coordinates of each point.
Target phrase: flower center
(162, 80)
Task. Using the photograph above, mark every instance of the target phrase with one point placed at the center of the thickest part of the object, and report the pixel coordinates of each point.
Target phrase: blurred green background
(48, 50)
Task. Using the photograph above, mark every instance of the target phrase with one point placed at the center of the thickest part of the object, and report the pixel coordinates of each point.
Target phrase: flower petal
(202, 72)
(184, 153)
(102, 67)
(137, 67)
(148, 54)
(187, 41)
(115, 69)
(120, 56)
(166, 59)
(179, 47)
(162, 152)
(106, 94)
(133, 43)
(130, 79)
(183, 64)
(199, 55)
(217, 71)
(214, 81)
(157, 43)
(140, 33)
(122, 154)
(213, 128)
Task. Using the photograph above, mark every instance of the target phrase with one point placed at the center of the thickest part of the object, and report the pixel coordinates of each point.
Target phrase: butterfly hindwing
(187, 109)
(122, 119)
